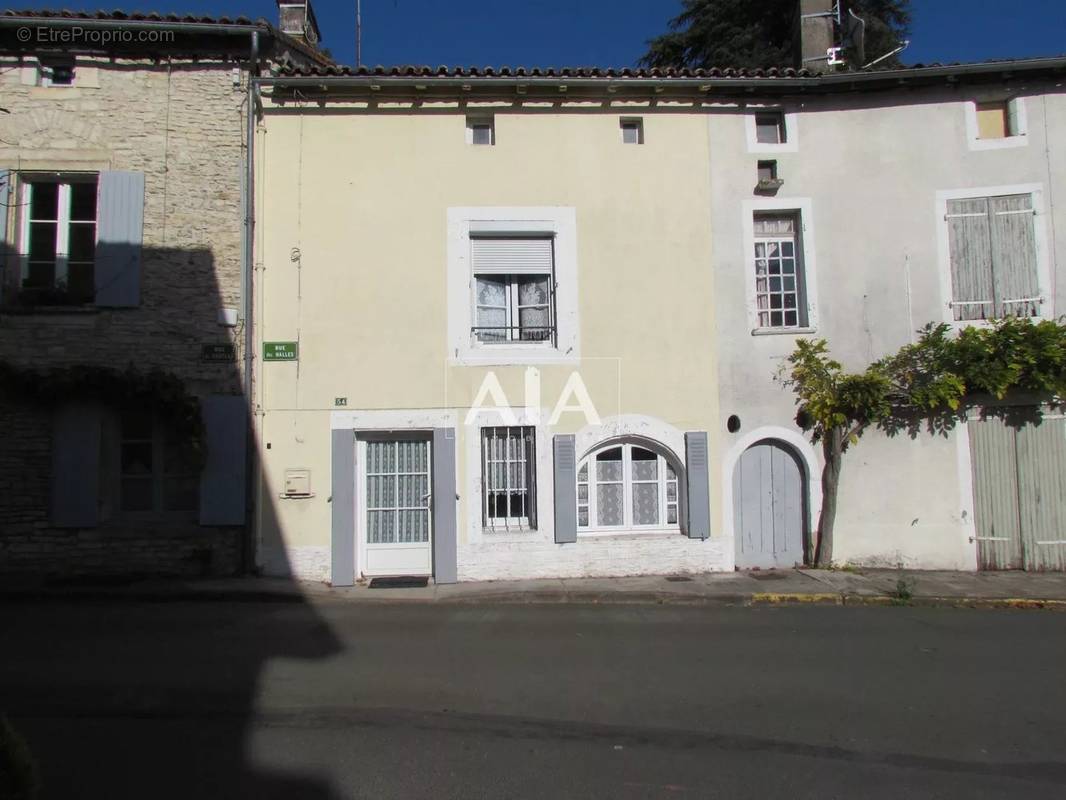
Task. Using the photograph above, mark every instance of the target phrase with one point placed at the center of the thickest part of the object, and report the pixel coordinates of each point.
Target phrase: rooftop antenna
(855, 36)
(903, 46)
(358, 33)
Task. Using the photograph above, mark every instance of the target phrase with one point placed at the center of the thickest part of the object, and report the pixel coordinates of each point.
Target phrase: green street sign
(279, 351)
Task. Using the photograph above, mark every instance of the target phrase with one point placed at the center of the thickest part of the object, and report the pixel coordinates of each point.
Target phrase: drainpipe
(248, 272)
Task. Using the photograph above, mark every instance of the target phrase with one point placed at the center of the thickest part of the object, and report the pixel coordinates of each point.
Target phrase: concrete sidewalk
(865, 587)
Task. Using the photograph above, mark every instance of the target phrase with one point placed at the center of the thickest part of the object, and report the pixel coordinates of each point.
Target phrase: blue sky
(613, 32)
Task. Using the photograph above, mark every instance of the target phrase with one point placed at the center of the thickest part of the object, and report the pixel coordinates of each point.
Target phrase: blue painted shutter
(222, 481)
(76, 466)
(696, 482)
(445, 554)
(5, 209)
(342, 542)
(119, 227)
(565, 489)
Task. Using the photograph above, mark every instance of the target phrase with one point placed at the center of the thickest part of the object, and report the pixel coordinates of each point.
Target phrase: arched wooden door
(769, 507)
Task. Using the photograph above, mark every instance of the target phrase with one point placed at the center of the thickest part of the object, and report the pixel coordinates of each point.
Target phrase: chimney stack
(815, 34)
(297, 19)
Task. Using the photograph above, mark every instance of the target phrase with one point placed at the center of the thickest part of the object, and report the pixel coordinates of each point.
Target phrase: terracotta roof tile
(410, 70)
(132, 16)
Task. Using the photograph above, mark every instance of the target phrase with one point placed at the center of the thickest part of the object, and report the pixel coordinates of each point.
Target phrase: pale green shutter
(969, 240)
(1013, 242)
(119, 225)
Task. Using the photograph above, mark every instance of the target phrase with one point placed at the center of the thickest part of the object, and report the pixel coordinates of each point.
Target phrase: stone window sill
(23, 311)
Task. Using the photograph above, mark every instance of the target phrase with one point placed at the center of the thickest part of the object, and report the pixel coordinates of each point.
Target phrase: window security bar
(501, 334)
(954, 303)
(508, 478)
(984, 215)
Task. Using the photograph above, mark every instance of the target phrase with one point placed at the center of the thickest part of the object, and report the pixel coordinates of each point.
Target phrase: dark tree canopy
(760, 33)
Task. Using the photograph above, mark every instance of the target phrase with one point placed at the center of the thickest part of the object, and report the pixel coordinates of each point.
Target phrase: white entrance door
(396, 523)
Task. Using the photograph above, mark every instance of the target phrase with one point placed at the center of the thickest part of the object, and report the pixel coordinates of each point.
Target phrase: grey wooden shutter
(565, 488)
(119, 226)
(969, 240)
(511, 256)
(996, 515)
(76, 466)
(1042, 493)
(1013, 123)
(696, 482)
(222, 480)
(1013, 242)
(5, 208)
(445, 555)
(342, 503)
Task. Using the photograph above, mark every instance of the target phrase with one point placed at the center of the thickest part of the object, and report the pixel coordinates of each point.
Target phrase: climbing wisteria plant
(925, 385)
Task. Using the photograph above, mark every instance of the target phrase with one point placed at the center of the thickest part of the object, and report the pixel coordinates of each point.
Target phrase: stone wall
(180, 124)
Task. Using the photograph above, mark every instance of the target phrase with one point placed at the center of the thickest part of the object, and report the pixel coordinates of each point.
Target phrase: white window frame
(799, 288)
(631, 123)
(513, 307)
(481, 121)
(1015, 109)
(627, 525)
(158, 477)
(791, 143)
(559, 222)
(528, 522)
(64, 181)
(471, 477)
(1040, 236)
(45, 73)
(802, 207)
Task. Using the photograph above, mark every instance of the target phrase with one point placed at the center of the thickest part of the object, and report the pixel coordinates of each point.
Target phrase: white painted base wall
(636, 554)
(299, 563)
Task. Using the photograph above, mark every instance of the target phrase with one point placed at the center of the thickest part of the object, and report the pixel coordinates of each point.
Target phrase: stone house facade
(661, 239)
(122, 160)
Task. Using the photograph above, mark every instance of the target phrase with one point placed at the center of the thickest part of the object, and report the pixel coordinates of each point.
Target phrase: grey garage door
(1019, 488)
(769, 507)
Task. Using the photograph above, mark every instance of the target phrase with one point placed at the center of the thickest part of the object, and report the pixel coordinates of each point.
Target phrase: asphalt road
(272, 700)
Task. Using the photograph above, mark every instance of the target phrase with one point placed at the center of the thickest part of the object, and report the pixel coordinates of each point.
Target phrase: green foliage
(726, 33)
(903, 593)
(161, 392)
(830, 398)
(743, 33)
(18, 771)
(1013, 355)
(887, 25)
(929, 379)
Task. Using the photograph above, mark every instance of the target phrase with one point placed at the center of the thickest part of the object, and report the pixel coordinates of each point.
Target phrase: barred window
(508, 468)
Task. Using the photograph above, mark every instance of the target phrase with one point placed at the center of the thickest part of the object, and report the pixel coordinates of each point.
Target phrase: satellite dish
(855, 37)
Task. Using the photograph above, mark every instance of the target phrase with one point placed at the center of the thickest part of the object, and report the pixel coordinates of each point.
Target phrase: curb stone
(767, 598)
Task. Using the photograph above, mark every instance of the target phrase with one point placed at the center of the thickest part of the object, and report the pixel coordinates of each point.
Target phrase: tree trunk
(832, 452)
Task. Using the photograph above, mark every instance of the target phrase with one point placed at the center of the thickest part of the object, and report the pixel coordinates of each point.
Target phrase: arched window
(626, 486)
